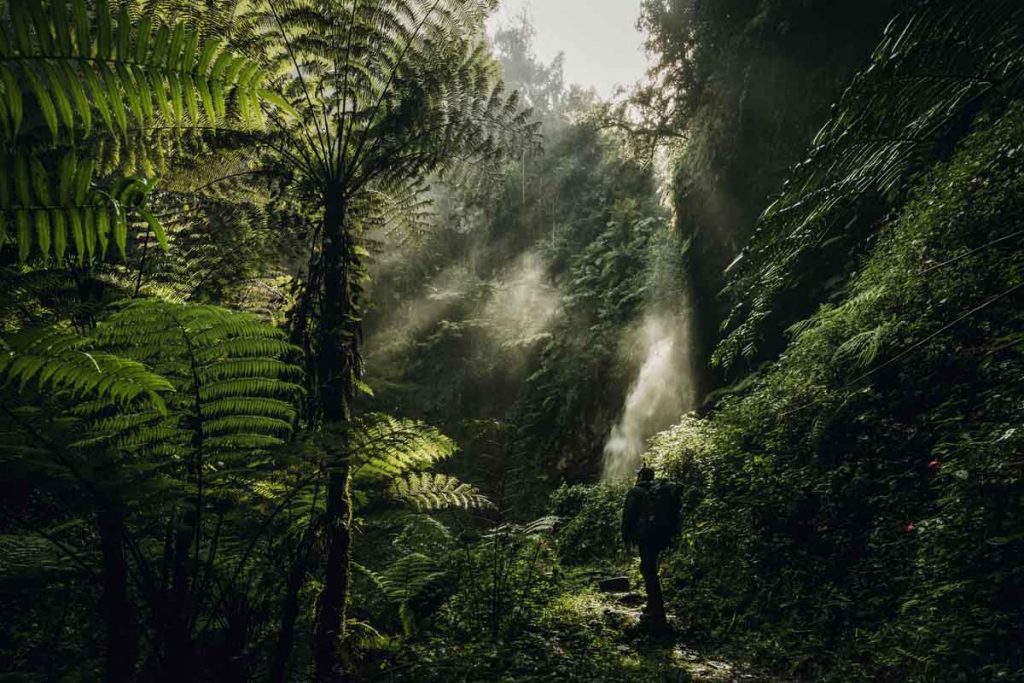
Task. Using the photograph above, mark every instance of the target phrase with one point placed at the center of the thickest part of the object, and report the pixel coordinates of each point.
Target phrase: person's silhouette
(650, 520)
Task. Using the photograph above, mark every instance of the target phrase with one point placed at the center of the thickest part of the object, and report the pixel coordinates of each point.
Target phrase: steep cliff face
(747, 83)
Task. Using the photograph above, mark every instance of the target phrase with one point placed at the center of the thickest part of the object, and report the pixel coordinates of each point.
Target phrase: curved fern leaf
(129, 73)
(55, 361)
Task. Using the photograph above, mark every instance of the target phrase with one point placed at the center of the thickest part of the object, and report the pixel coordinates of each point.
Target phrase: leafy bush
(590, 530)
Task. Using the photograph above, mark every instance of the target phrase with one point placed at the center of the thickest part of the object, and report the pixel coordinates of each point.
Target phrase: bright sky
(599, 38)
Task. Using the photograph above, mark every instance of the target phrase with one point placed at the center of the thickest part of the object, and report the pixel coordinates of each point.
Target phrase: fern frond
(103, 64)
(383, 446)
(52, 360)
(228, 369)
(433, 491)
(63, 211)
(406, 577)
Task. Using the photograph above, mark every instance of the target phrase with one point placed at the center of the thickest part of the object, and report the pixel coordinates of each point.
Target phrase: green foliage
(916, 99)
(57, 362)
(125, 67)
(390, 458)
(61, 210)
(510, 571)
(158, 424)
(433, 491)
(591, 526)
(845, 507)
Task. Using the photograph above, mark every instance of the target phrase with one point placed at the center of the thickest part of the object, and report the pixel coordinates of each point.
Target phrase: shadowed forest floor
(667, 658)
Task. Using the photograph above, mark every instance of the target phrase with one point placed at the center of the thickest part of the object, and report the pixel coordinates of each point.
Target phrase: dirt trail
(675, 661)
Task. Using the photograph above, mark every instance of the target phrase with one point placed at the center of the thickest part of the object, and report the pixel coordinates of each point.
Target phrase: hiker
(650, 520)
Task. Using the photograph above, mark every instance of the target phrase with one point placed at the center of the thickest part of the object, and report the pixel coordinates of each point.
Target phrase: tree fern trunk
(338, 329)
(118, 611)
(289, 614)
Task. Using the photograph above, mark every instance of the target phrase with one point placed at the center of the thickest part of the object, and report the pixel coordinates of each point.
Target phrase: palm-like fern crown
(933, 71)
(157, 385)
(234, 390)
(383, 93)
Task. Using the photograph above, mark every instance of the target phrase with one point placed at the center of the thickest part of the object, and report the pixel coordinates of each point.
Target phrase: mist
(400, 328)
(523, 304)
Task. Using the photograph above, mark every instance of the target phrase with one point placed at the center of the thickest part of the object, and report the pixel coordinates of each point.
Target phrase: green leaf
(132, 94)
(20, 22)
(144, 32)
(40, 181)
(102, 230)
(157, 227)
(83, 179)
(99, 97)
(160, 45)
(77, 234)
(42, 26)
(60, 234)
(82, 33)
(177, 103)
(207, 100)
(24, 221)
(89, 231)
(209, 49)
(121, 232)
(42, 221)
(280, 102)
(364, 387)
(67, 115)
(145, 94)
(66, 182)
(22, 180)
(12, 95)
(81, 101)
(191, 95)
(188, 54)
(174, 50)
(45, 103)
(104, 21)
(61, 21)
(124, 34)
(116, 101)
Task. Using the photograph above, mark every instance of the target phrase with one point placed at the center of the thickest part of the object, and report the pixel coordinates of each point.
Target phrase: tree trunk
(289, 614)
(116, 605)
(339, 328)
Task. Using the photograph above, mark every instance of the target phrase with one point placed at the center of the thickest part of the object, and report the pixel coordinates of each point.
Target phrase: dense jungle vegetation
(333, 331)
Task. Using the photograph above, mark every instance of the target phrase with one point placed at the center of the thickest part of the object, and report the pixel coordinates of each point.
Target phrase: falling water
(660, 394)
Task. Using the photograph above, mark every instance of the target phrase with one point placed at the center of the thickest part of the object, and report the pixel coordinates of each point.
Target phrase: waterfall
(661, 393)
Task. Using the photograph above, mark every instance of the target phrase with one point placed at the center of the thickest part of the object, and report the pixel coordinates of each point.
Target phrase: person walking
(651, 520)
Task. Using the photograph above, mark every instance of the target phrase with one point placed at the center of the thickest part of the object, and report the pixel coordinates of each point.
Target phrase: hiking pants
(649, 570)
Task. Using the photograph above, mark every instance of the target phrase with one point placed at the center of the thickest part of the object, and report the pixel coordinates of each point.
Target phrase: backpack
(668, 513)
(654, 515)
